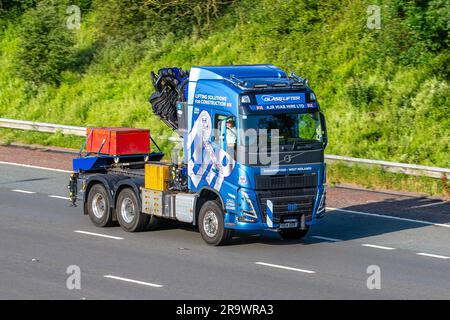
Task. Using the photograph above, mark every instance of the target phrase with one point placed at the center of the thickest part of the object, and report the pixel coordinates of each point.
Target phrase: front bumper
(304, 205)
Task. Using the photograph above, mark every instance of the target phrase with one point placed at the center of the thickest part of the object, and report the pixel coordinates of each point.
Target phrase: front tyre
(293, 234)
(211, 224)
(128, 214)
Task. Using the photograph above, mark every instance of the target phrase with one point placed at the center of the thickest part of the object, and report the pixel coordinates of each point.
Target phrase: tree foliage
(139, 19)
(12, 5)
(46, 44)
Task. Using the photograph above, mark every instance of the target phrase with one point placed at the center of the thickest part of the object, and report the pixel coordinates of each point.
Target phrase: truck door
(224, 141)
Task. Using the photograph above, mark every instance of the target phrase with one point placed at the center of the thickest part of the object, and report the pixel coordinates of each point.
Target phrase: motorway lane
(36, 226)
(43, 181)
(201, 272)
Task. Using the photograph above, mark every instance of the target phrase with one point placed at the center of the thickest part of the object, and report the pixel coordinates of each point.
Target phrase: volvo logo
(287, 158)
(292, 207)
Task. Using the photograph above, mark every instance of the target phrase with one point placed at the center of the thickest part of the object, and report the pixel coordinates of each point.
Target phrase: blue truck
(250, 159)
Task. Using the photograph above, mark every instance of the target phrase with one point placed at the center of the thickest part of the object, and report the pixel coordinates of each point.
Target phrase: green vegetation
(385, 92)
(8, 136)
(375, 177)
(45, 48)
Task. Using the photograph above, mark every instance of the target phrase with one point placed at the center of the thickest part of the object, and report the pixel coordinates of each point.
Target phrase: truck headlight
(321, 208)
(246, 207)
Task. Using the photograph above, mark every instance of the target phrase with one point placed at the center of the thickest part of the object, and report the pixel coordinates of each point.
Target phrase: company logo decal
(268, 98)
(216, 166)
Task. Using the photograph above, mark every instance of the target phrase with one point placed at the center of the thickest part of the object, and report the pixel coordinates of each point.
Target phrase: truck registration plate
(289, 224)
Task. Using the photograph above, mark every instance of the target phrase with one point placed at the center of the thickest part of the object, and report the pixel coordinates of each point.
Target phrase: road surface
(41, 236)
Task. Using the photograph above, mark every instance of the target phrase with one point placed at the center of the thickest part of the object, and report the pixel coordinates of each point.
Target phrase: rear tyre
(211, 224)
(128, 214)
(293, 234)
(99, 206)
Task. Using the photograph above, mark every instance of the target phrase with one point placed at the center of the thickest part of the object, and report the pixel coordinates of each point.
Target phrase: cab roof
(255, 71)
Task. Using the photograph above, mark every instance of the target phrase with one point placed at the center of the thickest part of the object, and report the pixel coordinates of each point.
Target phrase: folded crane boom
(170, 86)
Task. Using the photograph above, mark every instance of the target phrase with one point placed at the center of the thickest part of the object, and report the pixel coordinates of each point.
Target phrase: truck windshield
(293, 129)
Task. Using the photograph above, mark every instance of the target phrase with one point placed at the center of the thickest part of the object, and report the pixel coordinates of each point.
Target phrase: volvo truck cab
(252, 159)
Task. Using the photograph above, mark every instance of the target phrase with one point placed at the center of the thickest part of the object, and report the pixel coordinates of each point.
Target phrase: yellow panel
(156, 177)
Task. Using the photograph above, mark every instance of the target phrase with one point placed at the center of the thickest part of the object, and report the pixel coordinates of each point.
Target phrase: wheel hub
(210, 224)
(127, 210)
(99, 206)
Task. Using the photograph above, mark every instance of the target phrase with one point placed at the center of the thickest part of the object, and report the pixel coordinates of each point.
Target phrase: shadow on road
(24, 180)
(427, 209)
(353, 222)
(345, 225)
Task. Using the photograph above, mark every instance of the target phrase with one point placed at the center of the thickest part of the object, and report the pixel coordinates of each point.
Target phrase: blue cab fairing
(216, 93)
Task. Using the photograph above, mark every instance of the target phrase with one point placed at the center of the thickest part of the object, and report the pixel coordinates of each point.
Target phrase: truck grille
(288, 203)
(290, 181)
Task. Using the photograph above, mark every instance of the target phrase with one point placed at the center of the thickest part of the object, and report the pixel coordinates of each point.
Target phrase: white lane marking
(98, 235)
(432, 255)
(283, 267)
(377, 247)
(23, 191)
(34, 167)
(58, 197)
(431, 204)
(326, 238)
(391, 217)
(134, 281)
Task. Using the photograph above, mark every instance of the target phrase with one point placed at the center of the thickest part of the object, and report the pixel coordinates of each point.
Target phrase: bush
(15, 6)
(138, 19)
(46, 44)
(360, 93)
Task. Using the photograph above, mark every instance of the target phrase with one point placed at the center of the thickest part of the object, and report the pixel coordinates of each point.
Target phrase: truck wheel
(128, 214)
(293, 234)
(211, 224)
(98, 206)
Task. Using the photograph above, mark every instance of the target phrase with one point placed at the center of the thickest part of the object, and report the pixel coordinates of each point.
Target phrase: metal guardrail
(409, 169)
(42, 127)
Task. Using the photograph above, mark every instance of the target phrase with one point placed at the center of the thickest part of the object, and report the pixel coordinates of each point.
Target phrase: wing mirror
(324, 130)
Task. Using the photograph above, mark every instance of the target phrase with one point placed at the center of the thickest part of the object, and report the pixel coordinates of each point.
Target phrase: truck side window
(231, 131)
(218, 120)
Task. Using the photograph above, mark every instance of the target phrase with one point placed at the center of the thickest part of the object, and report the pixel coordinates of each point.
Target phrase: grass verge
(376, 178)
(8, 136)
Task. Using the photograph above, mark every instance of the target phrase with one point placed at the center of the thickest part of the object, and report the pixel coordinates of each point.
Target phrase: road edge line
(390, 217)
(34, 167)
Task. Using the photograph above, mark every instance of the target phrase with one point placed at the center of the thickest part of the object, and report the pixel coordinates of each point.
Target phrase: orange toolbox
(118, 141)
